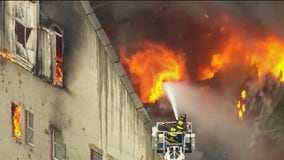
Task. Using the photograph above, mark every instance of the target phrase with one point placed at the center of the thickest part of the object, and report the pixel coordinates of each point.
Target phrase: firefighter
(181, 123)
(180, 126)
(171, 131)
(171, 134)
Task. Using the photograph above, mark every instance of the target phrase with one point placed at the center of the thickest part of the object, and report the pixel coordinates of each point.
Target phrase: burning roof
(212, 44)
(214, 40)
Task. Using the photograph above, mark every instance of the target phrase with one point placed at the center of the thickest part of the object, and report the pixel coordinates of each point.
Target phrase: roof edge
(114, 58)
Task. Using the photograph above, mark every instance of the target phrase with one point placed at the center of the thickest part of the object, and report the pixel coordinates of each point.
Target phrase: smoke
(162, 22)
(212, 116)
(193, 28)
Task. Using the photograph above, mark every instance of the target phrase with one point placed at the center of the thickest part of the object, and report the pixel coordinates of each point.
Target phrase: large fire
(151, 63)
(151, 66)
(16, 121)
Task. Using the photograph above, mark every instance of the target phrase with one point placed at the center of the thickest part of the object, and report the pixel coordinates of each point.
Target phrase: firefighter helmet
(183, 117)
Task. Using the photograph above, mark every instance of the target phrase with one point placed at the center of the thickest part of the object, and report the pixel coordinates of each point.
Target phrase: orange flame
(265, 53)
(17, 121)
(8, 56)
(243, 94)
(216, 65)
(152, 66)
(241, 106)
(271, 56)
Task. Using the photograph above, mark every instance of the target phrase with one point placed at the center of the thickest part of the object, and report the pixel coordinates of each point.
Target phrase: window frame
(47, 54)
(94, 149)
(54, 143)
(109, 157)
(54, 32)
(29, 61)
(27, 127)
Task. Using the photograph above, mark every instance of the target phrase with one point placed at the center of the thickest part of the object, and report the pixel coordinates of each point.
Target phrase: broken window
(20, 32)
(50, 54)
(29, 128)
(58, 147)
(96, 155)
(25, 31)
(16, 120)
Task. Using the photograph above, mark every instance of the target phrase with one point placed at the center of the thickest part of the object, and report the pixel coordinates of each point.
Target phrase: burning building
(64, 92)
(231, 48)
(58, 62)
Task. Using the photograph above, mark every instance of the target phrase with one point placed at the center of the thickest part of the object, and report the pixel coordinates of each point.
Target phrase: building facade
(63, 93)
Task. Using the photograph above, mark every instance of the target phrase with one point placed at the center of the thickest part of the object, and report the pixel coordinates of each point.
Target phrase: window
(29, 128)
(20, 34)
(25, 31)
(16, 120)
(57, 145)
(51, 54)
(44, 53)
(95, 155)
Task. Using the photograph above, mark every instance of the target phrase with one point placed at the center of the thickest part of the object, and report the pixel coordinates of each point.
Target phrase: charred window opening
(29, 128)
(51, 54)
(58, 77)
(20, 33)
(16, 120)
(96, 155)
(58, 148)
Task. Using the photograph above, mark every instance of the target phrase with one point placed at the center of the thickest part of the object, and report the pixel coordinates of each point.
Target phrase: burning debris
(241, 106)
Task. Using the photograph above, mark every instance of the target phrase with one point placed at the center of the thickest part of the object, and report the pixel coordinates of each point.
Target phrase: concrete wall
(93, 109)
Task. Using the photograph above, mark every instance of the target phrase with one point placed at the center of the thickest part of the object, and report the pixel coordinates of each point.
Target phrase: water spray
(170, 95)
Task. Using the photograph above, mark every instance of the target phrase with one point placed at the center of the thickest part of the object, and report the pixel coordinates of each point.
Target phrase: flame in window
(58, 61)
(58, 74)
(16, 121)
